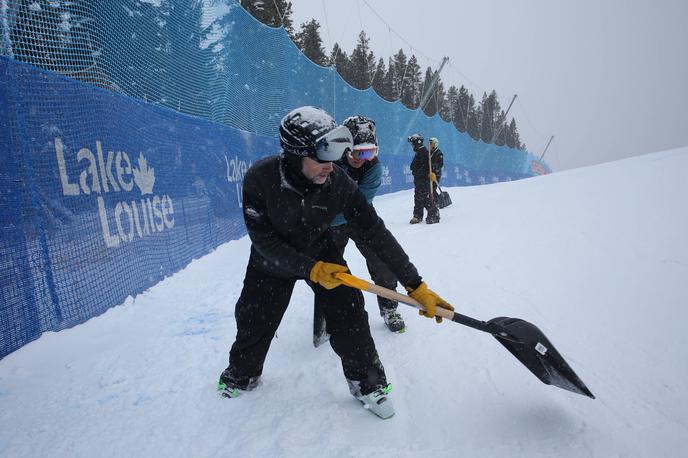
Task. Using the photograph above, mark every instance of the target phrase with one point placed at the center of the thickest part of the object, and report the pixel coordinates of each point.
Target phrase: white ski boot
(378, 402)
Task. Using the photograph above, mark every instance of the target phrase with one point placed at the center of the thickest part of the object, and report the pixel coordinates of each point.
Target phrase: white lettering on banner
(85, 153)
(386, 177)
(106, 171)
(110, 240)
(156, 214)
(408, 175)
(167, 211)
(68, 189)
(131, 219)
(123, 235)
(236, 169)
(122, 172)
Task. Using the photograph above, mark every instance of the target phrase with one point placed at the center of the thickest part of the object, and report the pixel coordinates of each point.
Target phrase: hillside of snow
(596, 257)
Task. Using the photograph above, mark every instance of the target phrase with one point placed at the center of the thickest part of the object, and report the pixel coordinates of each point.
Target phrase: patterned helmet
(311, 132)
(416, 140)
(362, 129)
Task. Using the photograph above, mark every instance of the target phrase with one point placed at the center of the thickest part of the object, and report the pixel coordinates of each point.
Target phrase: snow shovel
(523, 339)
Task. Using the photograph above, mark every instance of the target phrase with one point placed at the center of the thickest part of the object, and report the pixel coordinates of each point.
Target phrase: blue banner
(103, 195)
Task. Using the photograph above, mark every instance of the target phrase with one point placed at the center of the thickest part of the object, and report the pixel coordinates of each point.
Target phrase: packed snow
(596, 257)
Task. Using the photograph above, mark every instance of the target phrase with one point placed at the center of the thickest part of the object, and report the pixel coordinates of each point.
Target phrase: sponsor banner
(102, 196)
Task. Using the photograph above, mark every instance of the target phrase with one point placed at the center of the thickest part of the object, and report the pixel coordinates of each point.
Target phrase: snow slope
(596, 257)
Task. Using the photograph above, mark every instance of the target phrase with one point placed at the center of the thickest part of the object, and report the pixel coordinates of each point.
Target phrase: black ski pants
(259, 311)
(422, 201)
(378, 270)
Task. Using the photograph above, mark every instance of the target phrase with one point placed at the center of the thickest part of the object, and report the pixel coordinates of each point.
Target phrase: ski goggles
(332, 146)
(366, 152)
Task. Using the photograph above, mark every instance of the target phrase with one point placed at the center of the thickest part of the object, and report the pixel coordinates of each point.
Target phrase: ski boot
(393, 320)
(378, 402)
(230, 388)
(415, 220)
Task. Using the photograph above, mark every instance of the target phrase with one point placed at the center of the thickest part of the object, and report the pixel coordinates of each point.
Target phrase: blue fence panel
(103, 195)
(109, 186)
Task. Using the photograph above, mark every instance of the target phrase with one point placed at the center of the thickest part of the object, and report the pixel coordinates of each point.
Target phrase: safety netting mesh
(126, 128)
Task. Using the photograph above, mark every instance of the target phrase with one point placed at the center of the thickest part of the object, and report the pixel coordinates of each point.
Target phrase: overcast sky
(607, 78)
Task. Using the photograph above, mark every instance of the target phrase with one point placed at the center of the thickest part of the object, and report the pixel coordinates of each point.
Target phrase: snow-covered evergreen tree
(275, 13)
(310, 43)
(340, 60)
(410, 92)
(360, 64)
(379, 79)
(390, 88)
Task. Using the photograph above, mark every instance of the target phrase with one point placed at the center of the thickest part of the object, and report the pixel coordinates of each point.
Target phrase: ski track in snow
(596, 257)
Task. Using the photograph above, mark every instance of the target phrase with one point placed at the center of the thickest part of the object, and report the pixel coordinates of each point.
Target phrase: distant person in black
(425, 167)
(289, 202)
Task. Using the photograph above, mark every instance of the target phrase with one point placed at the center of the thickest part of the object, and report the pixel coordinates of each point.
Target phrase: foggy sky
(607, 78)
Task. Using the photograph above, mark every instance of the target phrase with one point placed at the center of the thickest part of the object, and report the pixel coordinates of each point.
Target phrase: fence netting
(126, 128)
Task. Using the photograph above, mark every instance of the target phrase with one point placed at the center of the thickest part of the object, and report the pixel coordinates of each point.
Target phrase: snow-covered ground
(596, 257)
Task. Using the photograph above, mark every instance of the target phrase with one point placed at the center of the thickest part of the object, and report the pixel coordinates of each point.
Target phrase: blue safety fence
(122, 160)
(102, 196)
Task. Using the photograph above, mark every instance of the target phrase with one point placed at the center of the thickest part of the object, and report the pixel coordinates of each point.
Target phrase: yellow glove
(323, 274)
(433, 177)
(430, 300)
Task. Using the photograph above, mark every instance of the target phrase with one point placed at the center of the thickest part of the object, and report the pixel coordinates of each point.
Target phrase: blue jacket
(368, 177)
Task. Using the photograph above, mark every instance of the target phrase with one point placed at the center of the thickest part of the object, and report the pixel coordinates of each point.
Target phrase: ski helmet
(311, 132)
(434, 142)
(416, 140)
(362, 129)
(365, 139)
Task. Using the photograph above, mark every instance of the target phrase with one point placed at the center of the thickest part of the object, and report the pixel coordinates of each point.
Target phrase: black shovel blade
(530, 346)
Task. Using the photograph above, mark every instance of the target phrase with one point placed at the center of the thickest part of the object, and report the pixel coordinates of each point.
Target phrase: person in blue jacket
(363, 166)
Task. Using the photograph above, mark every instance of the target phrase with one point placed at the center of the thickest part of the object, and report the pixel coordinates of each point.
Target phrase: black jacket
(288, 218)
(419, 165)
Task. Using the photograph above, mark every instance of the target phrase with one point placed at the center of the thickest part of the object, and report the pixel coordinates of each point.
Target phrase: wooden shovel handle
(358, 283)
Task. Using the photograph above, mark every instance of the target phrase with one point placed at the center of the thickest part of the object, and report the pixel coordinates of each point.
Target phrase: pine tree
(430, 107)
(360, 69)
(275, 13)
(490, 118)
(400, 68)
(391, 90)
(340, 60)
(453, 105)
(475, 114)
(500, 130)
(463, 109)
(379, 79)
(410, 92)
(442, 102)
(513, 139)
(310, 43)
